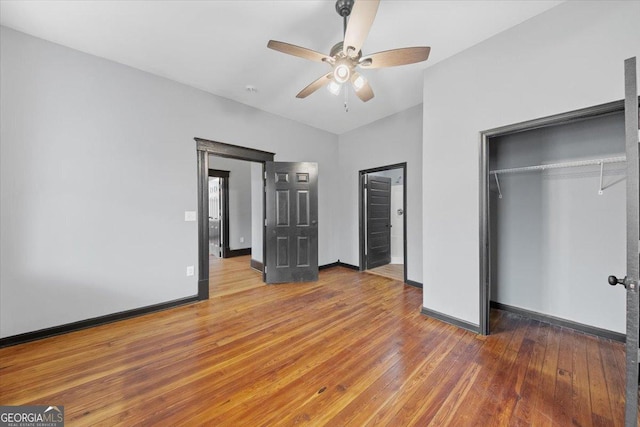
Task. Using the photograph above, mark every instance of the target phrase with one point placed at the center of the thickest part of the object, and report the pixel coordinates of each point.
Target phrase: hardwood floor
(392, 271)
(351, 349)
(232, 275)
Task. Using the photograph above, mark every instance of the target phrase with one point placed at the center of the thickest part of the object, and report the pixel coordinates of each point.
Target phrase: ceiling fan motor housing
(343, 7)
(337, 53)
(336, 50)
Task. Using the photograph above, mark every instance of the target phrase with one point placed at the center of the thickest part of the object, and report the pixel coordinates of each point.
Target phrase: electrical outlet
(242, 240)
(191, 270)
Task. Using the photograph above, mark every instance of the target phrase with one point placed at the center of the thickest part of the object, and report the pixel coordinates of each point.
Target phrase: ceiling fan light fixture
(341, 73)
(359, 81)
(334, 88)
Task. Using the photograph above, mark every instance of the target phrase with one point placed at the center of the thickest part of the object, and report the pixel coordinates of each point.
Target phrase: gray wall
(394, 139)
(554, 239)
(98, 165)
(567, 58)
(240, 206)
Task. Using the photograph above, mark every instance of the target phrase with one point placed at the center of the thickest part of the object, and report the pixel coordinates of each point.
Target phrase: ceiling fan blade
(365, 93)
(324, 80)
(395, 57)
(298, 51)
(360, 21)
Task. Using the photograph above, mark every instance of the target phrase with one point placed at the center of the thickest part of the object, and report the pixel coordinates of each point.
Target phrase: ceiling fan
(345, 57)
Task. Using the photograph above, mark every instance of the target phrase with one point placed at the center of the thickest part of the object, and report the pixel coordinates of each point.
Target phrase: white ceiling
(220, 46)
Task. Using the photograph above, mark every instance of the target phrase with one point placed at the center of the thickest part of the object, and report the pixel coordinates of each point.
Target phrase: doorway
(289, 192)
(215, 218)
(218, 212)
(239, 203)
(568, 189)
(383, 221)
(629, 106)
(204, 148)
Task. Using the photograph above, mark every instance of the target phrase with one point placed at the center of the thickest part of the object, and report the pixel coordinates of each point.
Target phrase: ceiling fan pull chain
(346, 99)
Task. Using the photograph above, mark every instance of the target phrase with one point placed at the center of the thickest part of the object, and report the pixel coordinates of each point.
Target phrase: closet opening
(552, 220)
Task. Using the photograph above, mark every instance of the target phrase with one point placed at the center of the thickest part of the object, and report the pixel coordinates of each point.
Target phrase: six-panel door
(292, 222)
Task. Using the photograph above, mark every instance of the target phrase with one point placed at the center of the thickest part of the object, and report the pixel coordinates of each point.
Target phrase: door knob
(613, 280)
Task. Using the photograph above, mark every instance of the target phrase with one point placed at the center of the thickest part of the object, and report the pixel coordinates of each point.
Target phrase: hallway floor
(391, 271)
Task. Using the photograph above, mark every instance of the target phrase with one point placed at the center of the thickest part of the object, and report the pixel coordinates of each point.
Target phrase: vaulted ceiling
(220, 46)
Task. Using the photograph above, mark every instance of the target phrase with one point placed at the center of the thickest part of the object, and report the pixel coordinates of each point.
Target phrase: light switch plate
(190, 270)
(189, 215)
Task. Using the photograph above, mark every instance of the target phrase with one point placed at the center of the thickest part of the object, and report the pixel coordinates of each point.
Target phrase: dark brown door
(292, 222)
(378, 221)
(632, 281)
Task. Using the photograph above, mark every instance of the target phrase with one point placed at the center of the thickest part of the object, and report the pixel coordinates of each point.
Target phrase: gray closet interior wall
(554, 240)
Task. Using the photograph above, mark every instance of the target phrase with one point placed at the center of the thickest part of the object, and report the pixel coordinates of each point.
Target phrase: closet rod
(620, 159)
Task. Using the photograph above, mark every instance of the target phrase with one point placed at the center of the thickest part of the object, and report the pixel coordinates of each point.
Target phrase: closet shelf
(620, 159)
(599, 162)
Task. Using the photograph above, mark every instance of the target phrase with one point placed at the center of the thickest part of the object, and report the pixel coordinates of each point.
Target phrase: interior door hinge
(265, 174)
(265, 222)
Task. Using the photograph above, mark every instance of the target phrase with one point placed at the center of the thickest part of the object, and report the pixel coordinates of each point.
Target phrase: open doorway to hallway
(235, 224)
(212, 150)
(218, 212)
(383, 221)
(233, 203)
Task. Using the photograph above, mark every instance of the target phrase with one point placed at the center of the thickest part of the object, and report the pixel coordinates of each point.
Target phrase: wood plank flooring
(349, 350)
(392, 271)
(232, 275)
